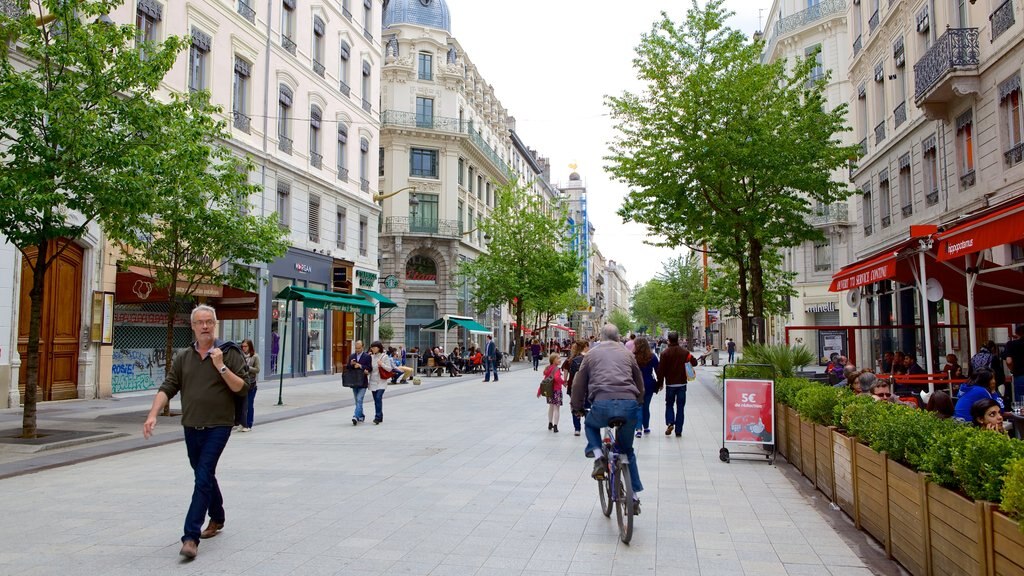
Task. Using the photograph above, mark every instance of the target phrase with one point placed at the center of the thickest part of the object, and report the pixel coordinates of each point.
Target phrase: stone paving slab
(461, 478)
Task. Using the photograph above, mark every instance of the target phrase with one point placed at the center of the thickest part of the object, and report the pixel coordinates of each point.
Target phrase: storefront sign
(830, 342)
(749, 411)
(303, 268)
(391, 281)
(823, 307)
(366, 279)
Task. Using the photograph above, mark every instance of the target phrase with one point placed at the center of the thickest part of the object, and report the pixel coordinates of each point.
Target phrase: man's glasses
(204, 322)
(883, 394)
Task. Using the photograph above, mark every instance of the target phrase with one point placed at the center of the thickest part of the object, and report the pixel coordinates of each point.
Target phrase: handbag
(352, 378)
(691, 373)
(385, 374)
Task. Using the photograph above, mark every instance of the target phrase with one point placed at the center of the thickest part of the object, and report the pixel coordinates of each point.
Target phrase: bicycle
(617, 485)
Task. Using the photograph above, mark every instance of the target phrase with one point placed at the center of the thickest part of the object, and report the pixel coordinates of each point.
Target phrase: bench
(430, 368)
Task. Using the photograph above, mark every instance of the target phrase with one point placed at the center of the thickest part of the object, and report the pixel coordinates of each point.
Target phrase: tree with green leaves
(722, 151)
(621, 320)
(527, 259)
(673, 297)
(79, 135)
(545, 308)
(723, 285)
(201, 231)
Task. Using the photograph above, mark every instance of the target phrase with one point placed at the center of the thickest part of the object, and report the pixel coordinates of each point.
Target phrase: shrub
(386, 332)
(786, 389)
(860, 417)
(844, 400)
(950, 437)
(817, 403)
(905, 433)
(785, 359)
(980, 464)
(1013, 491)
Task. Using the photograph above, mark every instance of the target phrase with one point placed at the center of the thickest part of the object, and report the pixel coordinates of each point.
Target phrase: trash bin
(714, 356)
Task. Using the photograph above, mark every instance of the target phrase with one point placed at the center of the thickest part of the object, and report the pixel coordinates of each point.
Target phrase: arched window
(421, 269)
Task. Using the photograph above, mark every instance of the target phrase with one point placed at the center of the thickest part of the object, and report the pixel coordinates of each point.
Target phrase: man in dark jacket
(672, 376)
(210, 377)
(610, 378)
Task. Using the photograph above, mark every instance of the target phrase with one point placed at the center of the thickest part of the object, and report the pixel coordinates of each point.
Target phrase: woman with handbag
(355, 377)
(551, 388)
(648, 363)
(382, 368)
(252, 365)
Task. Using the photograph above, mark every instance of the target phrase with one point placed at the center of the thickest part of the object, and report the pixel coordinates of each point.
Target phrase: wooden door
(341, 339)
(61, 325)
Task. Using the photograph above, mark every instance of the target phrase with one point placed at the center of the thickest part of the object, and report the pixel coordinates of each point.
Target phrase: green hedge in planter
(1013, 491)
(786, 389)
(817, 403)
(979, 464)
(861, 417)
(906, 434)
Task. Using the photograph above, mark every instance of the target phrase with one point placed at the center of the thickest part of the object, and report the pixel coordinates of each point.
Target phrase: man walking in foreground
(610, 378)
(209, 376)
(672, 376)
(490, 359)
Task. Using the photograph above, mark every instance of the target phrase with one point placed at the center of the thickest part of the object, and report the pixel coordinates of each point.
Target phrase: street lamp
(412, 197)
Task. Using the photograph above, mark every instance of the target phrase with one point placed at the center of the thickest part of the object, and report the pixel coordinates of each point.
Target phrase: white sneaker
(244, 429)
(236, 428)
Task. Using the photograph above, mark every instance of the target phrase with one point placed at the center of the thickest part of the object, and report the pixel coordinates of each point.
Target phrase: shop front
(306, 351)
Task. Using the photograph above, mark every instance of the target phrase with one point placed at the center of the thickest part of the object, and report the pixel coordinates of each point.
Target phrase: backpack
(547, 385)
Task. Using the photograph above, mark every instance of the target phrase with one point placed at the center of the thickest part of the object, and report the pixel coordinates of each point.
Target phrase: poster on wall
(749, 411)
(830, 342)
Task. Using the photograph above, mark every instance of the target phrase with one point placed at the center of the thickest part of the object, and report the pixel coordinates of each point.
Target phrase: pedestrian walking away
(382, 368)
(572, 367)
(648, 364)
(252, 365)
(730, 346)
(536, 352)
(554, 371)
(610, 380)
(356, 377)
(210, 375)
(491, 357)
(672, 377)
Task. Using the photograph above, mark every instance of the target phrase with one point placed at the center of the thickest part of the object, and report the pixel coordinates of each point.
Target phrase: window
(462, 171)
(423, 163)
(421, 269)
(314, 218)
(341, 228)
(367, 71)
(283, 216)
(1017, 252)
(424, 112)
(488, 194)
(822, 256)
(960, 13)
(884, 199)
(380, 161)
(346, 8)
(469, 222)
(288, 25)
(284, 110)
(342, 161)
(240, 95)
(426, 66)
(906, 187)
(318, 45)
(965, 148)
(480, 186)
(197, 60)
(1009, 94)
(867, 212)
(880, 107)
(364, 235)
(462, 214)
(344, 52)
(315, 157)
(818, 72)
(930, 171)
(364, 164)
(368, 19)
(472, 177)
(147, 14)
(424, 217)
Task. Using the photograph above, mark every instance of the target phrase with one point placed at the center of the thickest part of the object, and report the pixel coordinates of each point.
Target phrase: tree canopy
(673, 297)
(722, 151)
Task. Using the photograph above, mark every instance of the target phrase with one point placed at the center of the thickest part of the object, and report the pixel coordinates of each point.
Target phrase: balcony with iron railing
(1014, 154)
(900, 114)
(804, 18)
(318, 68)
(316, 159)
(947, 71)
(366, 105)
(342, 174)
(246, 11)
(288, 44)
(284, 144)
(873, 22)
(1001, 19)
(344, 88)
(364, 185)
(837, 214)
(419, 226)
(241, 121)
(880, 133)
(443, 124)
(857, 45)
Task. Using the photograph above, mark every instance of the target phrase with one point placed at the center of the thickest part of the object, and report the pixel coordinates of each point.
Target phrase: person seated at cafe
(911, 365)
(456, 358)
(940, 404)
(445, 363)
(898, 366)
(864, 380)
(478, 360)
(977, 388)
(987, 414)
(880, 390)
(886, 363)
(952, 368)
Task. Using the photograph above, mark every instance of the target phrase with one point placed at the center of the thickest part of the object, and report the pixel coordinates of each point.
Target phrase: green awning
(384, 301)
(328, 300)
(473, 326)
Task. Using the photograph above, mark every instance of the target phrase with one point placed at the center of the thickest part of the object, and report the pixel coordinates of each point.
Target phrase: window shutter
(366, 69)
(286, 95)
(964, 119)
(201, 39)
(1008, 87)
(318, 26)
(364, 145)
(928, 144)
(314, 117)
(345, 50)
(242, 67)
(314, 218)
(905, 162)
(368, 4)
(342, 133)
(289, 4)
(152, 9)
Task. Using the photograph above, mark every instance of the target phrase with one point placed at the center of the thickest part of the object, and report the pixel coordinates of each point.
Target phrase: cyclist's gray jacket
(609, 372)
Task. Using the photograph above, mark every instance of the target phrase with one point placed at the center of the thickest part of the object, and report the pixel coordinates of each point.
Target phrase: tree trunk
(35, 329)
(757, 283)
(741, 275)
(518, 354)
(172, 311)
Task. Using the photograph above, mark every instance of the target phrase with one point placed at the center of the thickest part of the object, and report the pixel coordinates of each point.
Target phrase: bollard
(714, 356)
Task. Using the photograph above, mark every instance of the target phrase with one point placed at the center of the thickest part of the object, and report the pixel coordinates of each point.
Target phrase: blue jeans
(675, 402)
(644, 416)
(357, 395)
(204, 445)
(732, 356)
(536, 362)
(378, 404)
(600, 413)
(490, 366)
(250, 405)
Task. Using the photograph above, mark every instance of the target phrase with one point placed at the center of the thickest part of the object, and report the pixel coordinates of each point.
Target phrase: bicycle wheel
(624, 501)
(604, 488)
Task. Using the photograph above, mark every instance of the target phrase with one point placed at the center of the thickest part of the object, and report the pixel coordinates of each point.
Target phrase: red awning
(526, 330)
(999, 227)
(887, 265)
(136, 286)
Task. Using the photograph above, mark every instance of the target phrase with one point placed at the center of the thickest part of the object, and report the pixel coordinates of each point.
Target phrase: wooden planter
(823, 465)
(908, 518)
(872, 501)
(842, 473)
(793, 437)
(780, 429)
(1007, 546)
(957, 532)
(807, 449)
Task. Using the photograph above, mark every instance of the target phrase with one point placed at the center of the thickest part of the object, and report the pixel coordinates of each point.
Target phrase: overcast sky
(551, 63)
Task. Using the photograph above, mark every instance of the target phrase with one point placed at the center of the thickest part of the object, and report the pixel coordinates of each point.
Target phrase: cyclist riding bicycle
(611, 380)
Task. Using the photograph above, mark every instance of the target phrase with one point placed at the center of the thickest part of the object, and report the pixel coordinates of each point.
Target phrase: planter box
(1007, 545)
(956, 531)
(872, 500)
(842, 473)
(807, 449)
(823, 461)
(780, 429)
(793, 437)
(908, 518)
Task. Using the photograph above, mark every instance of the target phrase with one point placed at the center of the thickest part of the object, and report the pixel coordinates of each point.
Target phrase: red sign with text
(749, 411)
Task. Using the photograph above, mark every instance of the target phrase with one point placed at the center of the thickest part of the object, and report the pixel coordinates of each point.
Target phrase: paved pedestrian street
(460, 479)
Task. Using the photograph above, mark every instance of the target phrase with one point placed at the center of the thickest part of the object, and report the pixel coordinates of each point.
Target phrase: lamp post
(412, 199)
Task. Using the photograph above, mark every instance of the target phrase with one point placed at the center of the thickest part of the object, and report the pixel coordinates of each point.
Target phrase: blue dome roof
(429, 13)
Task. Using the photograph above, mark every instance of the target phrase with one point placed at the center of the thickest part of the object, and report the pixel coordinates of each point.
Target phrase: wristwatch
(223, 369)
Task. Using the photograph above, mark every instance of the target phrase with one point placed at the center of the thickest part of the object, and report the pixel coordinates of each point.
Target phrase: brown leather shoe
(189, 549)
(211, 529)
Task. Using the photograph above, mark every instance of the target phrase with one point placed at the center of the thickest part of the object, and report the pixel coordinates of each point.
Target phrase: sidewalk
(461, 478)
